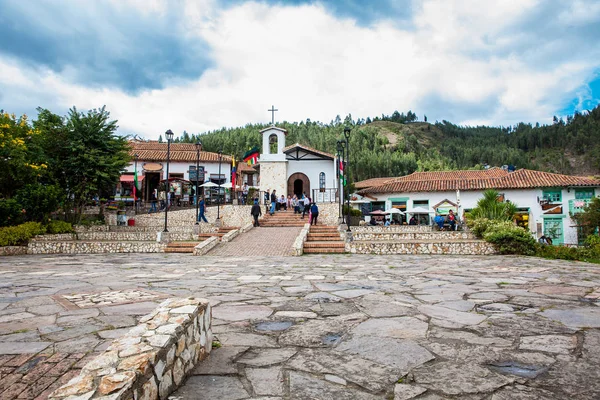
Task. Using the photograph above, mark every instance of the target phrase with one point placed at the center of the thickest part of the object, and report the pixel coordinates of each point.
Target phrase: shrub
(39, 201)
(353, 211)
(10, 212)
(20, 234)
(479, 226)
(59, 227)
(510, 239)
(588, 253)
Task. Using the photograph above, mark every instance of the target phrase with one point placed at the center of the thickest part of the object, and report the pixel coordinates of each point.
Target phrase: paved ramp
(260, 242)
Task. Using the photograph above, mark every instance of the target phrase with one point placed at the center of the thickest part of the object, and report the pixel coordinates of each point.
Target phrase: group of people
(440, 221)
(303, 205)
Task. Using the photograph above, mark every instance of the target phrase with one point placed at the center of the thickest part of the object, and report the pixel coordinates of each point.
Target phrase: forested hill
(399, 144)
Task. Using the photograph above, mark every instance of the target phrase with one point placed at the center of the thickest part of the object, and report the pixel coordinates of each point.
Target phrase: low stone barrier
(229, 236)
(298, 246)
(465, 247)
(152, 359)
(93, 247)
(391, 228)
(13, 250)
(395, 235)
(206, 246)
(247, 227)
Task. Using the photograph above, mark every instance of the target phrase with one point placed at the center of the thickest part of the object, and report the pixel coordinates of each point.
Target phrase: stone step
(323, 237)
(182, 244)
(186, 250)
(317, 250)
(324, 244)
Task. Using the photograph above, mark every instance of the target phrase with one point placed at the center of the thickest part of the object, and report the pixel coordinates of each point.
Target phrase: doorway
(298, 183)
(152, 180)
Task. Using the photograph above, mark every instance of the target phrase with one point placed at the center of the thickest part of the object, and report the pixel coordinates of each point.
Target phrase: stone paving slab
(319, 326)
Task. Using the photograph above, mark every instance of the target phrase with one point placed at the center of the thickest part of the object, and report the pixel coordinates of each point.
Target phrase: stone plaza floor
(318, 327)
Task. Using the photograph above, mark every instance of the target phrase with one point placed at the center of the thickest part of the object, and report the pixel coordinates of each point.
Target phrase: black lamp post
(169, 136)
(198, 150)
(135, 159)
(219, 195)
(340, 155)
(347, 172)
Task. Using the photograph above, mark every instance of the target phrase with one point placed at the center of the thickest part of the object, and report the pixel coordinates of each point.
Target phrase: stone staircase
(323, 239)
(180, 247)
(220, 233)
(283, 219)
(188, 246)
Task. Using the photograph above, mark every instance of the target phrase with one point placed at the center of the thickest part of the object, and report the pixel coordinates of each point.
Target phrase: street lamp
(340, 156)
(135, 159)
(198, 150)
(219, 195)
(347, 172)
(169, 136)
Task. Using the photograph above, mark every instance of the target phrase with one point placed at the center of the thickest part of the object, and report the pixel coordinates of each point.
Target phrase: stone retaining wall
(229, 236)
(90, 247)
(391, 228)
(328, 213)
(442, 236)
(298, 246)
(13, 250)
(206, 246)
(152, 359)
(466, 247)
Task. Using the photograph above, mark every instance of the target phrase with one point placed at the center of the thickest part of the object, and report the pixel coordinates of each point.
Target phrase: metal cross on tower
(272, 110)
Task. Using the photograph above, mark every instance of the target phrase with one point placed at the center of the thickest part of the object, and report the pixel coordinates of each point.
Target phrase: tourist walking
(273, 202)
(162, 196)
(314, 212)
(256, 212)
(267, 201)
(201, 207)
(306, 209)
(153, 202)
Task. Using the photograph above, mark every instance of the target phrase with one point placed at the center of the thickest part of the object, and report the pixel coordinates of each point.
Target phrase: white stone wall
(312, 169)
(273, 175)
(472, 247)
(93, 247)
(152, 359)
(328, 213)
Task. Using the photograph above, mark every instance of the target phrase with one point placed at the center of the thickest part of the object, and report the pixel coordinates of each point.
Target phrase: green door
(553, 228)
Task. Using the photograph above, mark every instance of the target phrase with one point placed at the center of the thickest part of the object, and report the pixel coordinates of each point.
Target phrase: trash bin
(131, 222)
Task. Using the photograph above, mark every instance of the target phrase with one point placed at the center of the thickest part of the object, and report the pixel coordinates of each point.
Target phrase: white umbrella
(395, 211)
(420, 210)
(209, 184)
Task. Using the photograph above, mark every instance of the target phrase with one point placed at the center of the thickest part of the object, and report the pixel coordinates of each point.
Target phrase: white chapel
(296, 169)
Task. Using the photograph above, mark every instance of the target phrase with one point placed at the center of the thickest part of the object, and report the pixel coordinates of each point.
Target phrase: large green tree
(87, 156)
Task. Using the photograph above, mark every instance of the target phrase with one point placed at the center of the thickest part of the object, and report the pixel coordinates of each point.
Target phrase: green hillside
(398, 144)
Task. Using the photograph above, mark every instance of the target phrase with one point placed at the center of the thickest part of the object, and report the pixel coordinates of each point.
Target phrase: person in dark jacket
(201, 207)
(256, 212)
(273, 202)
(314, 212)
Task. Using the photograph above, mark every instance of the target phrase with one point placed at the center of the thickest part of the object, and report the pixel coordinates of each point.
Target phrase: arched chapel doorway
(298, 183)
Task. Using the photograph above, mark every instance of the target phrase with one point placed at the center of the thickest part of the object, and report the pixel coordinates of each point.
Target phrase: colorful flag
(233, 172)
(251, 156)
(135, 184)
(342, 173)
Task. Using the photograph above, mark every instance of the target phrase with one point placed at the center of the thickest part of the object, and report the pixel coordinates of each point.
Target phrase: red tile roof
(442, 181)
(245, 168)
(307, 148)
(155, 151)
(367, 183)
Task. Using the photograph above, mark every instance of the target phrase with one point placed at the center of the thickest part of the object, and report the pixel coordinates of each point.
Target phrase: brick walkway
(260, 242)
(35, 376)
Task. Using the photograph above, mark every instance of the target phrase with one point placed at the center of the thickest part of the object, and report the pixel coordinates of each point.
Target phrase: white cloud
(450, 63)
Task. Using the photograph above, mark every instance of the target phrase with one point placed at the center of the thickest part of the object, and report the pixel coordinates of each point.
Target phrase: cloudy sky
(199, 65)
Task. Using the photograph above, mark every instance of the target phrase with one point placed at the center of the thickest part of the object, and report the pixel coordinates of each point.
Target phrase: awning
(129, 178)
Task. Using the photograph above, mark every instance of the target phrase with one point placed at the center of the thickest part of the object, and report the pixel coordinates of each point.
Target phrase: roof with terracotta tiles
(367, 183)
(307, 148)
(185, 152)
(442, 181)
(245, 168)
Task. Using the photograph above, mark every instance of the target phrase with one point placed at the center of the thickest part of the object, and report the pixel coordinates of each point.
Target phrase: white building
(545, 201)
(296, 169)
(152, 162)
